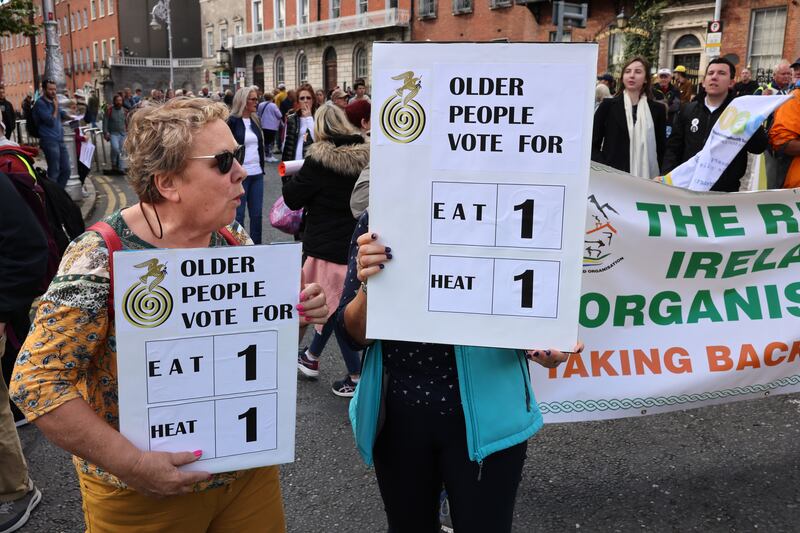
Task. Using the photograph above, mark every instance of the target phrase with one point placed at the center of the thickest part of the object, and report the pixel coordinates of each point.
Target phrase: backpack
(114, 244)
(57, 214)
(30, 122)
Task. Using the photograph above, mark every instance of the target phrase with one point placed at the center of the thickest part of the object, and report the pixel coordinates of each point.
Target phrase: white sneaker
(271, 159)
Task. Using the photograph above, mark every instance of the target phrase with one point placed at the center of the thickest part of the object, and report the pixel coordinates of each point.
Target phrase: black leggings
(417, 450)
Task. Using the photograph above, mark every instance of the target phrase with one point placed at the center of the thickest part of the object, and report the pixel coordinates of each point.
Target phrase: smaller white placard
(87, 153)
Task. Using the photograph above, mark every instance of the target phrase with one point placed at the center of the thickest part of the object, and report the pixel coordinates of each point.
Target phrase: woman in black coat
(622, 118)
(300, 126)
(323, 188)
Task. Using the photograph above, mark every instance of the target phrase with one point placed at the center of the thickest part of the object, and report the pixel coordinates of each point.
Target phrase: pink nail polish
(302, 297)
(300, 307)
(198, 453)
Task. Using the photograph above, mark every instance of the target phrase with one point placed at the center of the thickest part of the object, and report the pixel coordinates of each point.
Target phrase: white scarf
(643, 156)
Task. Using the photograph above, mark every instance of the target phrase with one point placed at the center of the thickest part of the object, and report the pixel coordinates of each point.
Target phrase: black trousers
(418, 450)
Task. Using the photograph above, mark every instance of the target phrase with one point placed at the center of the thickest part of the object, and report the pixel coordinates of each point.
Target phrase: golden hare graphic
(402, 118)
(148, 305)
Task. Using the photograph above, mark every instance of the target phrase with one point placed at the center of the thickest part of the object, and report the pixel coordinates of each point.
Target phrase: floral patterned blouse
(71, 349)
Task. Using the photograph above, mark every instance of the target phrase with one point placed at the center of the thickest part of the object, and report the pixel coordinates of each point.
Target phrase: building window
(85, 18)
(302, 68)
(279, 71)
(238, 29)
(110, 7)
(112, 46)
(209, 43)
(104, 47)
(497, 4)
(767, 27)
(462, 6)
(280, 13)
(101, 5)
(336, 8)
(95, 53)
(93, 8)
(566, 36)
(360, 63)
(363, 6)
(303, 12)
(427, 9)
(258, 16)
(616, 51)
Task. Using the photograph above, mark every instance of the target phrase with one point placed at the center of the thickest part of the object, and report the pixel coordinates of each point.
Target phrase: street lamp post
(161, 11)
(54, 71)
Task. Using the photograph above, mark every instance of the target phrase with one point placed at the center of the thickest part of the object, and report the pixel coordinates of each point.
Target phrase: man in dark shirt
(7, 114)
(694, 123)
(747, 85)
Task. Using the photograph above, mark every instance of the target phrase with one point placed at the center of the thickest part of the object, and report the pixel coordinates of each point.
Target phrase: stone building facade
(326, 44)
(222, 21)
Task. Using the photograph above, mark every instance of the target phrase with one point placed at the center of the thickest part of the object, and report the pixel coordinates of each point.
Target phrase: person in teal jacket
(428, 415)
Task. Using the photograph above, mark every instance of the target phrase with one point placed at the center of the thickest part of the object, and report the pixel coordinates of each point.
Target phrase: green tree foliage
(646, 16)
(15, 17)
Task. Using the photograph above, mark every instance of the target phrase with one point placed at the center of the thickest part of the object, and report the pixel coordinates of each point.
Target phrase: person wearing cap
(603, 89)
(684, 85)
(339, 98)
(281, 94)
(784, 135)
(668, 94)
(795, 72)
(746, 85)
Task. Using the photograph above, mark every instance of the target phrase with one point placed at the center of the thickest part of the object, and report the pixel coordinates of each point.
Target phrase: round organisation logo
(402, 117)
(148, 305)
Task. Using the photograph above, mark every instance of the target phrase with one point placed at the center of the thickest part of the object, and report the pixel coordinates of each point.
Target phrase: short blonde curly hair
(159, 136)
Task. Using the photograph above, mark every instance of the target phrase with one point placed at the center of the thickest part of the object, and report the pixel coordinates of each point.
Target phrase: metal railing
(155, 62)
(365, 21)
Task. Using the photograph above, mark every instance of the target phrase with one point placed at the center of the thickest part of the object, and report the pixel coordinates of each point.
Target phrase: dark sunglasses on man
(225, 159)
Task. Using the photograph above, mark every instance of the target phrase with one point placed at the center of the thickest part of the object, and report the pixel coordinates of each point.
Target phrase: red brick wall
(736, 15)
(99, 29)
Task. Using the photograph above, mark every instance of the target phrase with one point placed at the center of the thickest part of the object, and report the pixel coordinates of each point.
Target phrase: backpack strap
(113, 244)
(228, 236)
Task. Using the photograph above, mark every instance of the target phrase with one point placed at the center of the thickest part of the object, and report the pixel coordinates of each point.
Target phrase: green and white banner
(688, 299)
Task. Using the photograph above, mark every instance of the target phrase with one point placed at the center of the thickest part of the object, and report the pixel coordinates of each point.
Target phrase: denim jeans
(253, 199)
(116, 150)
(352, 358)
(57, 156)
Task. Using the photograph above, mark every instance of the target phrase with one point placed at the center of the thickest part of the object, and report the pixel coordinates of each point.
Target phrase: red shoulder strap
(113, 243)
(228, 236)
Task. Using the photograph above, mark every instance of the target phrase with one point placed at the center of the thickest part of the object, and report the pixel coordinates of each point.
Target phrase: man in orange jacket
(784, 136)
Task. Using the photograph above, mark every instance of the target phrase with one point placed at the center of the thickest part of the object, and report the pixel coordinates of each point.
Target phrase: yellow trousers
(252, 503)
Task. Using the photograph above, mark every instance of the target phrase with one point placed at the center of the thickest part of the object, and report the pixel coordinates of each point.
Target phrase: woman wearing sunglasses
(246, 128)
(185, 167)
(323, 188)
(300, 125)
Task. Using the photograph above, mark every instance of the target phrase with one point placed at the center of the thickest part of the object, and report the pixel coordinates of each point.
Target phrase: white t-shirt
(306, 125)
(710, 107)
(252, 163)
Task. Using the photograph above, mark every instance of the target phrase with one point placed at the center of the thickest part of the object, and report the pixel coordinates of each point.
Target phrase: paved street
(734, 467)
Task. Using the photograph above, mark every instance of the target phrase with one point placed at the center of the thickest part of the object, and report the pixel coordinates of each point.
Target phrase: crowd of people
(653, 139)
(197, 165)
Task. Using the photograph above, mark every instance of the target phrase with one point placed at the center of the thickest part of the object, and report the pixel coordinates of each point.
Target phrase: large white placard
(479, 171)
(206, 346)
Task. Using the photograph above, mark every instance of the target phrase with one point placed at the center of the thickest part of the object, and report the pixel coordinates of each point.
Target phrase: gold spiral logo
(402, 117)
(148, 305)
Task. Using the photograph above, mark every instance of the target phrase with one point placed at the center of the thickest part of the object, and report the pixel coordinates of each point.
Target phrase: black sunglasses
(225, 159)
